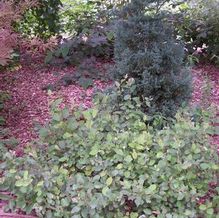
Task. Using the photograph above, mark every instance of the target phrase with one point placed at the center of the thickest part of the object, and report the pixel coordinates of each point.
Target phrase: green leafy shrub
(79, 16)
(42, 21)
(106, 162)
(197, 23)
(83, 16)
(146, 50)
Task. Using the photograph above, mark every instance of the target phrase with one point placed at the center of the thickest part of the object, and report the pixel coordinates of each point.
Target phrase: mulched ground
(206, 91)
(29, 104)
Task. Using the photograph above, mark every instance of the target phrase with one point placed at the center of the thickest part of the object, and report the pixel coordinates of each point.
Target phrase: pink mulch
(29, 103)
(199, 77)
(199, 74)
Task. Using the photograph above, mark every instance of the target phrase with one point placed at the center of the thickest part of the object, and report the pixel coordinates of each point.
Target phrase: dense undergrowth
(108, 161)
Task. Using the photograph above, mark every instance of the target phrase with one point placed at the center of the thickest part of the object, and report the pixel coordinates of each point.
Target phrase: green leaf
(147, 211)
(127, 97)
(12, 171)
(202, 207)
(119, 151)
(105, 191)
(134, 215)
(210, 211)
(75, 209)
(65, 113)
(204, 166)
(184, 6)
(127, 184)
(168, 215)
(67, 135)
(128, 159)
(57, 102)
(23, 182)
(188, 212)
(134, 154)
(215, 166)
(21, 204)
(141, 139)
(180, 196)
(94, 112)
(103, 173)
(85, 82)
(43, 132)
(119, 166)
(23, 190)
(127, 174)
(48, 58)
(57, 117)
(110, 35)
(65, 51)
(65, 202)
(186, 165)
(159, 154)
(94, 151)
(151, 189)
(25, 174)
(109, 181)
(4, 197)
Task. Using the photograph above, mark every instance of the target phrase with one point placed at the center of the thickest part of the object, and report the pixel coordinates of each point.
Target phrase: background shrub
(79, 16)
(98, 43)
(83, 16)
(106, 162)
(146, 50)
(42, 21)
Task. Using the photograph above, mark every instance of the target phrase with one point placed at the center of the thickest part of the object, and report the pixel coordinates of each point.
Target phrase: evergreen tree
(146, 50)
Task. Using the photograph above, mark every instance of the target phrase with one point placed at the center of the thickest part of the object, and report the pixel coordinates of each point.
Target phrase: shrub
(98, 43)
(79, 16)
(145, 49)
(198, 25)
(106, 162)
(83, 16)
(42, 21)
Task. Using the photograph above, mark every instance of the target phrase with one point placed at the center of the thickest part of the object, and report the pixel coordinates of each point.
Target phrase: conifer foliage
(146, 50)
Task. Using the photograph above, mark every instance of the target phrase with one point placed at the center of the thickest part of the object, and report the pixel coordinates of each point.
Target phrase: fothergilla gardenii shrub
(106, 162)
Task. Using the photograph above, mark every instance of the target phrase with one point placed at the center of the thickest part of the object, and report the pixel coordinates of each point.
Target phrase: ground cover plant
(106, 162)
(113, 122)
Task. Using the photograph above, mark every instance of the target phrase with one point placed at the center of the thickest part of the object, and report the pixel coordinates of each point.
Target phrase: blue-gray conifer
(146, 49)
